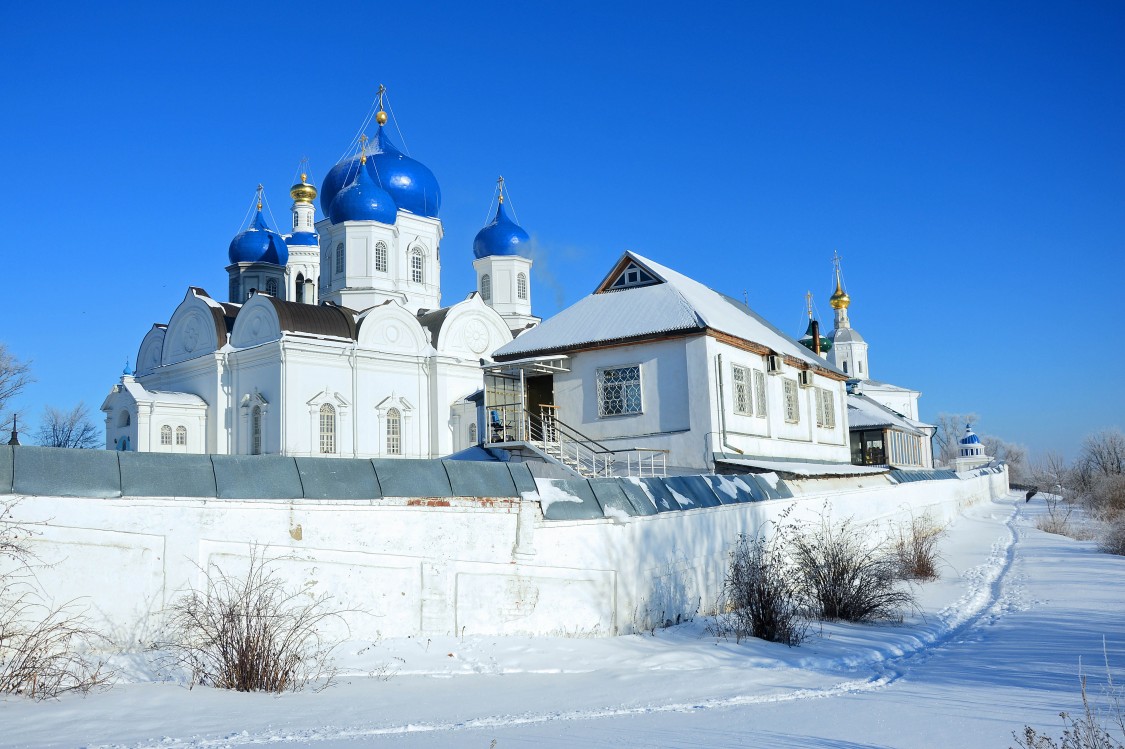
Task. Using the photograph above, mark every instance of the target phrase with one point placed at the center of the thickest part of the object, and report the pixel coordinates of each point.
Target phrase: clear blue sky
(966, 160)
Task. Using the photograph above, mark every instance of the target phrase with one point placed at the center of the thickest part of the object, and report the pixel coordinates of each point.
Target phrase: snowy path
(1015, 610)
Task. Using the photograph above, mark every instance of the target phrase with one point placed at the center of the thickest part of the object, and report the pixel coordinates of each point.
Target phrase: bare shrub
(842, 576)
(757, 600)
(1104, 497)
(250, 633)
(1113, 539)
(1098, 727)
(1057, 519)
(915, 548)
(42, 649)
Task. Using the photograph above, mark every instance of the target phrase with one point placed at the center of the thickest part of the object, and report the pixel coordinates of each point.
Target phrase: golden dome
(839, 298)
(381, 117)
(304, 192)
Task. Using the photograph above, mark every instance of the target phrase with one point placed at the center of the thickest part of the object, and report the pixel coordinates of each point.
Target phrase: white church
(333, 340)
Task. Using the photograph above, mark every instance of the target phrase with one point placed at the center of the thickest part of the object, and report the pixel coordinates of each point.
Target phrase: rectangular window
(792, 405)
(760, 393)
(619, 391)
(742, 402)
(825, 409)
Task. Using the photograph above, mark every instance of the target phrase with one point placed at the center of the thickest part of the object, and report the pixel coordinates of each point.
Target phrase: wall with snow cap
(581, 558)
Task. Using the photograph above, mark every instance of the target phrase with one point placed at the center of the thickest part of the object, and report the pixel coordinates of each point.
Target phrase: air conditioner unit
(805, 378)
(773, 364)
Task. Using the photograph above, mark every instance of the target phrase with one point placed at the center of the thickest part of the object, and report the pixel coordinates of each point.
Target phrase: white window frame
(521, 286)
(181, 436)
(165, 435)
(759, 393)
(825, 408)
(417, 266)
(792, 401)
(271, 287)
(340, 264)
(327, 435)
(381, 257)
(741, 393)
(394, 431)
(601, 375)
(486, 287)
(256, 430)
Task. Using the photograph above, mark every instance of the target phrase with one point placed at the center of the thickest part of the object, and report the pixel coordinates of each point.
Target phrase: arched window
(472, 434)
(181, 436)
(123, 419)
(486, 287)
(165, 435)
(417, 269)
(256, 431)
(296, 221)
(327, 429)
(381, 257)
(300, 288)
(340, 258)
(521, 286)
(271, 287)
(845, 366)
(233, 289)
(394, 432)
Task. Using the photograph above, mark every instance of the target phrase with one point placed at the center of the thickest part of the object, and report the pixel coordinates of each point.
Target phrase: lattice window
(619, 391)
(166, 435)
(759, 393)
(521, 286)
(181, 436)
(327, 429)
(300, 288)
(394, 432)
(742, 402)
(256, 430)
(472, 434)
(792, 404)
(486, 287)
(340, 258)
(826, 409)
(417, 266)
(271, 287)
(381, 257)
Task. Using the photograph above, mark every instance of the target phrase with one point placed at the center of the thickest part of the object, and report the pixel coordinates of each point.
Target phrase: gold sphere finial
(304, 177)
(839, 298)
(381, 117)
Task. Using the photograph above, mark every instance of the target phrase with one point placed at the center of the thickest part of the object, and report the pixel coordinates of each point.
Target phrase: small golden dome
(840, 300)
(304, 192)
(381, 117)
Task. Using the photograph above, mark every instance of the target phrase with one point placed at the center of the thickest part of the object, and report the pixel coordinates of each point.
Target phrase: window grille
(472, 434)
(327, 429)
(166, 435)
(271, 287)
(181, 436)
(340, 258)
(394, 432)
(792, 406)
(521, 286)
(381, 257)
(416, 267)
(825, 409)
(759, 393)
(619, 391)
(486, 287)
(742, 402)
(256, 431)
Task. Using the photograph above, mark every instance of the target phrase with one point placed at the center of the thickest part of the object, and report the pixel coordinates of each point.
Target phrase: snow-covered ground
(996, 644)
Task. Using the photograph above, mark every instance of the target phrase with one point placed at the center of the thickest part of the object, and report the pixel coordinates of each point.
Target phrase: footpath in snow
(995, 644)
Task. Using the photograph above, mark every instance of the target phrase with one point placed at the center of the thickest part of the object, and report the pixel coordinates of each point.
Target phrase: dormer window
(632, 275)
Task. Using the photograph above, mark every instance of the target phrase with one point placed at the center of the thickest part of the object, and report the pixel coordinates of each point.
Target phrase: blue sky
(967, 160)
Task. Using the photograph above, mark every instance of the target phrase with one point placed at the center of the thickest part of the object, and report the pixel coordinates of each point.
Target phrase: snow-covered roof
(885, 386)
(140, 394)
(677, 303)
(866, 413)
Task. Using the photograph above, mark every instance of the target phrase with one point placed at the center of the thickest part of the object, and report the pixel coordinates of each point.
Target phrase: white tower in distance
(849, 350)
(303, 268)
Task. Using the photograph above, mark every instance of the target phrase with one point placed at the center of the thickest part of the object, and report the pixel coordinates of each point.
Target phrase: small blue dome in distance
(502, 237)
(303, 239)
(259, 244)
(970, 437)
(410, 183)
(363, 200)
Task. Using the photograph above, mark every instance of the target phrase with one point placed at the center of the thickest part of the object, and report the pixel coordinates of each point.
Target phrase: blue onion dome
(410, 183)
(362, 200)
(502, 237)
(970, 437)
(259, 244)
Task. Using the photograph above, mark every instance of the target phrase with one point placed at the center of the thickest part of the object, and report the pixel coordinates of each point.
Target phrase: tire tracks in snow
(986, 601)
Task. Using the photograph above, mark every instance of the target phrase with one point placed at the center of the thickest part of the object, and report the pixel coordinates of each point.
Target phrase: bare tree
(71, 428)
(1007, 452)
(1104, 453)
(15, 375)
(950, 428)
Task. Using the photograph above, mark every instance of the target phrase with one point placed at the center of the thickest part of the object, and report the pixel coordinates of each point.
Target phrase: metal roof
(866, 413)
(325, 319)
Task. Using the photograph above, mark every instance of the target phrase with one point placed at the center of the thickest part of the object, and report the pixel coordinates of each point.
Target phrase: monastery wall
(430, 552)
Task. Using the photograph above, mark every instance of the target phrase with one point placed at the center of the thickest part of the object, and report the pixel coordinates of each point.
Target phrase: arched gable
(149, 354)
(197, 328)
(390, 327)
(472, 330)
(257, 322)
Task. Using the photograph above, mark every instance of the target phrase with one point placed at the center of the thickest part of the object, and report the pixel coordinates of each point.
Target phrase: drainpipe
(723, 407)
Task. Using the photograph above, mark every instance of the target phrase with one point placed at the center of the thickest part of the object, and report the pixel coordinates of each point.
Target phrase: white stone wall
(423, 567)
